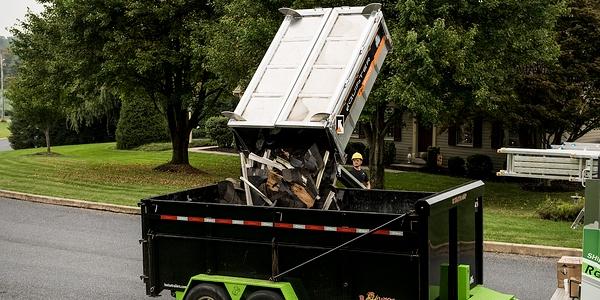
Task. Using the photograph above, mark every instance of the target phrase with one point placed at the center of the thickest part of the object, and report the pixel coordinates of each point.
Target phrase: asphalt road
(54, 252)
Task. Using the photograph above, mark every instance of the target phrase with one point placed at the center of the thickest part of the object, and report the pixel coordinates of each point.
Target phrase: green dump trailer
(381, 244)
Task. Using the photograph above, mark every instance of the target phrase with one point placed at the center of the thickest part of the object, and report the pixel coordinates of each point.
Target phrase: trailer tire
(265, 295)
(207, 291)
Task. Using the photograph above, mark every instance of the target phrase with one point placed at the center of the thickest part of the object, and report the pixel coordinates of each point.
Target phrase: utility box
(568, 267)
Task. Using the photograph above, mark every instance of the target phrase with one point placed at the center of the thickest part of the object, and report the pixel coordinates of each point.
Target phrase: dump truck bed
(317, 73)
(191, 232)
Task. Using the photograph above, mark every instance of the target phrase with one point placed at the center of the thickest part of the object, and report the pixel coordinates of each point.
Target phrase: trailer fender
(236, 286)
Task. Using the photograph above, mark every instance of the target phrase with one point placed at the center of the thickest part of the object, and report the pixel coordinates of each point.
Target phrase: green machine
(576, 162)
(590, 268)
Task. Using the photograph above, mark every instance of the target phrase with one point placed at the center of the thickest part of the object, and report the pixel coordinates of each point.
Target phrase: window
(464, 134)
(468, 134)
(511, 138)
(397, 130)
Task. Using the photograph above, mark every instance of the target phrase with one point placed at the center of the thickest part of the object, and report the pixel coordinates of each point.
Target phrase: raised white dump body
(317, 72)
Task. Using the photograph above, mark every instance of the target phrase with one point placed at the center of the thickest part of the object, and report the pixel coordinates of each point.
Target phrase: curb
(530, 250)
(71, 202)
(495, 247)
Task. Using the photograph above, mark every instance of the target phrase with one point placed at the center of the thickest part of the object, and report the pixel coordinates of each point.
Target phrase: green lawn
(99, 172)
(4, 133)
(509, 211)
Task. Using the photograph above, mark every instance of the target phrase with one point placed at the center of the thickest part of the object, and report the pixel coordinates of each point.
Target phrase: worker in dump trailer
(358, 172)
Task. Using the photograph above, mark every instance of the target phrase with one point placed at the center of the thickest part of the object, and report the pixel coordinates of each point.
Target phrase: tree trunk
(47, 134)
(557, 138)
(179, 128)
(180, 142)
(375, 133)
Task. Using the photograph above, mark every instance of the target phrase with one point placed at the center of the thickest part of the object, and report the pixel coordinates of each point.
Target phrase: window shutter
(398, 130)
(497, 135)
(452, 135)
(477, 133)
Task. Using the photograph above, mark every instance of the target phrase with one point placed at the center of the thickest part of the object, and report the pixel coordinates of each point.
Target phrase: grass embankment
(4, 133)
(99, 172)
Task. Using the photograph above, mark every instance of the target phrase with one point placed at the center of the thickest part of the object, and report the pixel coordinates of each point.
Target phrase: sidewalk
(488, 246)
(205, 150)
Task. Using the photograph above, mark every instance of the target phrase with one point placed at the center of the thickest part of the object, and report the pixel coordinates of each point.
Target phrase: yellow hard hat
(356, 155)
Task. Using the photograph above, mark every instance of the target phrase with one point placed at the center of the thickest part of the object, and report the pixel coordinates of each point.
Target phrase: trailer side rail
(558, 163)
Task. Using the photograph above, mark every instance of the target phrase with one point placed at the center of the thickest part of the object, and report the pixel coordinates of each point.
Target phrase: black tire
(207, 291)
(265, 295)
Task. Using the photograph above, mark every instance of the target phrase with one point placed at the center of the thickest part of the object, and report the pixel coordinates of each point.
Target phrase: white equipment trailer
(570, 161)
(576, 162)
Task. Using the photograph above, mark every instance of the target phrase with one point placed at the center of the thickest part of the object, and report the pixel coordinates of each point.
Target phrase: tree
(456, 59)
(105, 48)
(35, 104)
(450, 59)
(563, 98)
(34, 95)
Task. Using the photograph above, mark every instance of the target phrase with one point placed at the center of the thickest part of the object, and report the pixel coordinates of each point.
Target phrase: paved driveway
(4, 145)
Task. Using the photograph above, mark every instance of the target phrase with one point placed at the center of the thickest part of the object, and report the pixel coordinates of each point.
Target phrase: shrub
(198, 133)
(359, 147)
(432, 153)
(559, 210)
(389, 153)
(456, 166)
(479, 166)
(140, 123)
(216, 129)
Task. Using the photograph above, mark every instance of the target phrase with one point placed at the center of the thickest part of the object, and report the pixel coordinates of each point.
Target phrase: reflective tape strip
(166, 217)
(280, 225)
(315, 227)
(284, 225)
(252, 223)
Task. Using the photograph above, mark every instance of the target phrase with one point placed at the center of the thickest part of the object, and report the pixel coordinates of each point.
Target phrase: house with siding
(593, 136)
(476, 136)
